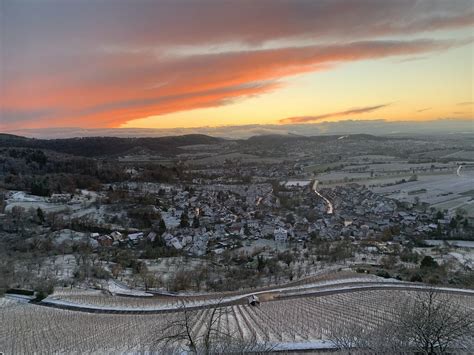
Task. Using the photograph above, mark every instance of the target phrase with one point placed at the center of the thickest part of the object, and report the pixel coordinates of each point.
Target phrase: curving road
(330, 207)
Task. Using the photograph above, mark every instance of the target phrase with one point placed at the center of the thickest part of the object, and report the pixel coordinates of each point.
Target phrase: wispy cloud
(412, 59)
(423, 109)
(466, 103)
(350, 112)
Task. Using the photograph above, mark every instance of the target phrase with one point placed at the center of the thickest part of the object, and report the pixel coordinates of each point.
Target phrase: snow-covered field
(456, 243)
(444, 191)
(143, 302)
(117, 288)
(303, 322)
(450, 191)
(464, 258)
(79, 202)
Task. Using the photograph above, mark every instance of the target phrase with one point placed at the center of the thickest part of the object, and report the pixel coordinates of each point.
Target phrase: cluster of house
(118, 238)
(194, 242)
(230, 214)
(212, 174)
(220, 217)
(362, 213)
(221, 214)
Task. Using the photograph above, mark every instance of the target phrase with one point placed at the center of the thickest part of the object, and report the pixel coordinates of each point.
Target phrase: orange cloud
(116, 116)
(156, 86)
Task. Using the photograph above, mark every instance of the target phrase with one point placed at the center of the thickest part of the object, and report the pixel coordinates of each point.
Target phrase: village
(234, 218)
(200, 219)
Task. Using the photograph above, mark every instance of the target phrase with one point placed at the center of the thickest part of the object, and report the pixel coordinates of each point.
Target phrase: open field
(380, 175)
(461, 155)
(448, 191)
(222, 158)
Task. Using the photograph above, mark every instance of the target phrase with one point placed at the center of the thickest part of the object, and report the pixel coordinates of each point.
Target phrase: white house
(281, 234)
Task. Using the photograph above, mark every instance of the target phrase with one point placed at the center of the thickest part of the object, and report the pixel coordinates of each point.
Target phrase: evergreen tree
(196, 222)
(40, 214)
(428, 262)
(162, 227)
(184, 220)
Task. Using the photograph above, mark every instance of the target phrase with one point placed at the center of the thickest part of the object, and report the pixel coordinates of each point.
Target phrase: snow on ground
(7, 302)
(19, 298)
(45, 206)
(442, 190)
(465, 259)
(120, 289)
(455, 243)
(287, 325)
(27, 201)
(288, 292)
(67, 291)
(170, 220)
(307, 345)
(394, 285)
(21, 196)
(68, 235)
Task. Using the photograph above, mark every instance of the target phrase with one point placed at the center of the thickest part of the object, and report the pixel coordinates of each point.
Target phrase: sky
(154, 64)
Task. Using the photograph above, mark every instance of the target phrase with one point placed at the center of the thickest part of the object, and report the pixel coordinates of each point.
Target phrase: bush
(428, 262)
(409, 256)
(383, 273)
(434, 279)
(43, 290)
(40, 295)
(100, 273)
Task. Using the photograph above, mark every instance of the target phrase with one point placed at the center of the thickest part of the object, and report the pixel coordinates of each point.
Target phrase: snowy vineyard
(97, 299)
(28, 328)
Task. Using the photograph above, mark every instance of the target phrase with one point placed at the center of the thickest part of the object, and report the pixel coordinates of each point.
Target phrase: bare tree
(349, 337)
(429, 323)
(205, 333)
(435, 324)
(386, 339)
(180, 332)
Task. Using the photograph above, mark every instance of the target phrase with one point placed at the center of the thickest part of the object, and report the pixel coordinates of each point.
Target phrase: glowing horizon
(162, 64)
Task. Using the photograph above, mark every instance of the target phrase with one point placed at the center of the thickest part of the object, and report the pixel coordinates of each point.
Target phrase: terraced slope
(306, 319)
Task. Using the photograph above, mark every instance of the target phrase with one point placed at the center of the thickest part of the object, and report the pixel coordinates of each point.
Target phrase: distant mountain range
(169, 146)
(165, 146)
(378, 127)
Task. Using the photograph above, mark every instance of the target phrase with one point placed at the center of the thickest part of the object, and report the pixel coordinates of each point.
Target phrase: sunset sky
(166, 64)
